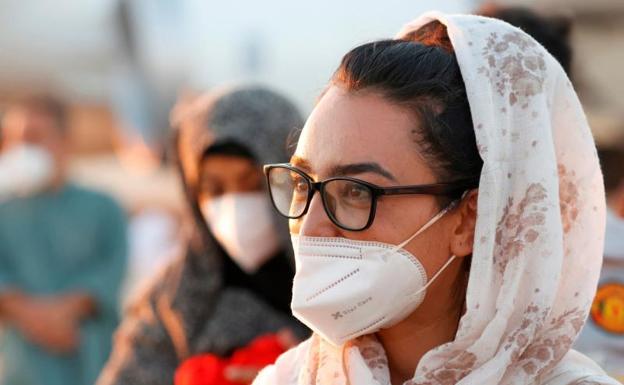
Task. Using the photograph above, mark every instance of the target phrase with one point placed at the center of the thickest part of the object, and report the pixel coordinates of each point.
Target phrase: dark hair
(229, 148)
(421, 73)
(611, 160)
(551, 32)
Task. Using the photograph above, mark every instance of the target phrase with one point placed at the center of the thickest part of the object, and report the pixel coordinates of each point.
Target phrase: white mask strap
(433, 220)
(436, 275)
(423, 228)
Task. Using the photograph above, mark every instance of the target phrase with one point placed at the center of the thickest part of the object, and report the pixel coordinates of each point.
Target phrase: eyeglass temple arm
(430, 189)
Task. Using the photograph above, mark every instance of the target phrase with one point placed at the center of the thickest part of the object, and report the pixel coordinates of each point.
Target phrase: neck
(433, 324)
(59, 179)
(406, 343)
(58, 182)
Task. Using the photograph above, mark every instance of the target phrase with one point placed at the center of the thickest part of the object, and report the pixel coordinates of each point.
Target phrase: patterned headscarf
(538, 238)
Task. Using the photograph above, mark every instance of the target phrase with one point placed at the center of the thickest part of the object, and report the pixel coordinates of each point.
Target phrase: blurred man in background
(62, 258)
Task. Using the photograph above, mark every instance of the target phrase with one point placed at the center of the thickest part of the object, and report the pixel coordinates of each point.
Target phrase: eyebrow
(300, 162)
(348, 169)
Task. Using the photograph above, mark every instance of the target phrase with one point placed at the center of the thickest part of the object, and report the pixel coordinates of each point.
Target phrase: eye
(300, 185)
(211, 190)
(355, 192)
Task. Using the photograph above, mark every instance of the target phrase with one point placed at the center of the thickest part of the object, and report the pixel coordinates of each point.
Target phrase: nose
(315, 223)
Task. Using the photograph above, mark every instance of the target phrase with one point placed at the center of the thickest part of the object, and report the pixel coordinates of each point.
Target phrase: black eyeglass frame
(436, 189)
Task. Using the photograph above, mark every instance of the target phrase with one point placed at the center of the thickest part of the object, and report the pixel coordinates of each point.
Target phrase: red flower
(208, 369)
(262, 351)
(204, 369)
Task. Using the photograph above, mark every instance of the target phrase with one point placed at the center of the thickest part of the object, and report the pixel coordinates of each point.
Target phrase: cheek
(60, 148)
(399, 217)
(294, 225)
(432, 248)
(396, 221)
(256, 183)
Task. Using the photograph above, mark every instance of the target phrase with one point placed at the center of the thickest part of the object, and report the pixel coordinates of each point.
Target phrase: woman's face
(346, 130)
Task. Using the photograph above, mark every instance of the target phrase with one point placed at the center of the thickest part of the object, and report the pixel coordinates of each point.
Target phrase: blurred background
(119, 66)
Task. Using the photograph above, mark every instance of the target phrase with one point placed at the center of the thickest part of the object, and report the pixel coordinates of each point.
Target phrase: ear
(462, 238)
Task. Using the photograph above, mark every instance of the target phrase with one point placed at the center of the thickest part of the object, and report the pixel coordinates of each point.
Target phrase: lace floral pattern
(520, 224)
(515, 66)
(568, 197)
(545, 352)
(452, 372)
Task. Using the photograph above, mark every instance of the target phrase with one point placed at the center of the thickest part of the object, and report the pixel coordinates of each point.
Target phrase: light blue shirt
(53, 243)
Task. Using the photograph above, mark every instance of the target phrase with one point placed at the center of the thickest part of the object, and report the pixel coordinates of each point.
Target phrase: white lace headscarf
(539, 231)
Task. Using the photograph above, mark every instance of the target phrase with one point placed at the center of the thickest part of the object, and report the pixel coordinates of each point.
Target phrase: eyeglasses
(350, 203)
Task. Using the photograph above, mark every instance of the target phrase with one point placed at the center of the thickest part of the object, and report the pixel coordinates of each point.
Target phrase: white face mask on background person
(24, 170)
(344, 288)
(243, 225)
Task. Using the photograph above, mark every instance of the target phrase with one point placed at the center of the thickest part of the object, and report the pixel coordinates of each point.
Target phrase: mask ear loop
(436, 275)
(423, 228)
(453, 257)
(433, 220)
(420, 231)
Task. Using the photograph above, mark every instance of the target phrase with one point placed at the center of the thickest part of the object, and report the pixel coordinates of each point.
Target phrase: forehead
(347, 128)
(217, 164)
(21, 115)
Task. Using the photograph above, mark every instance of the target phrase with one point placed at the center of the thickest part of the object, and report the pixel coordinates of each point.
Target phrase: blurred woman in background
(234, 282)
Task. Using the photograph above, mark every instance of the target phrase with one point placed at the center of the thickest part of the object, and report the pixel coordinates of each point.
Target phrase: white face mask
(344, 288)
(24, 170)
(243, 225)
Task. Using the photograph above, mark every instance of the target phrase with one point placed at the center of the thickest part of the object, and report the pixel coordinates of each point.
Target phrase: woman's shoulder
(578, 369)
(237, 318)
